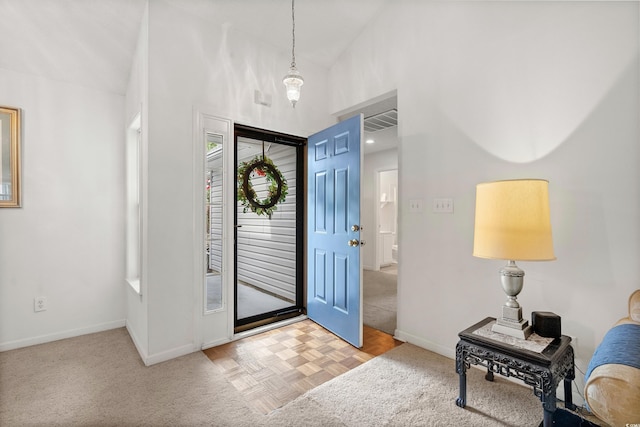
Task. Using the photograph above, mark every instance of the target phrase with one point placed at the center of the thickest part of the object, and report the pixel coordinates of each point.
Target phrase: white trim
(208, 325)
(134, 137)
(426, 344)
(269, 327)
(170, 354)
(135, 285)
(228, 226)
(149, 360)
(69, 333)
(215, 343)
(136, 342)
(198, 223)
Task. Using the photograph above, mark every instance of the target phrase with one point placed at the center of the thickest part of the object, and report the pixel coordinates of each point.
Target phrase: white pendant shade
(293, 81)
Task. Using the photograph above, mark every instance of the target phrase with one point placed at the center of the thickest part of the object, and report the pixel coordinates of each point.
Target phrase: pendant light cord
(293, 33)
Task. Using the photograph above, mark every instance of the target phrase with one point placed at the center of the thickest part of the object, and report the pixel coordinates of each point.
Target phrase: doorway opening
(380, 205)
(268, 239)
(387, 194)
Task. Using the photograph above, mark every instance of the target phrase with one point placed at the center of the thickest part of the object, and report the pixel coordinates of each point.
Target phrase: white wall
(66, 242)
(195, 62)
(373, 163)
(498, 90)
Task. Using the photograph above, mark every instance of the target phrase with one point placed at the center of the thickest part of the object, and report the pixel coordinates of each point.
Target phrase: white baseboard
(152, 359)
(215, 343)
(170, 354)
(142, 351)
(70, 333)
(426, 344)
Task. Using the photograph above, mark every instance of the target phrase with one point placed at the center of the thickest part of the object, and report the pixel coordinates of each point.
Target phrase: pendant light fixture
(293, 80)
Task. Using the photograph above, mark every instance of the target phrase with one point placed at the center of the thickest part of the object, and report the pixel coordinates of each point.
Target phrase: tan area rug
(409, 386)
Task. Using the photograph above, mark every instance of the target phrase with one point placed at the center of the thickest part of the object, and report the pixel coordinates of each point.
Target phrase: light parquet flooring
(273, 368)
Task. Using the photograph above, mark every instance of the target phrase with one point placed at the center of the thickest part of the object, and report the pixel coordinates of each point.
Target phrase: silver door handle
(356, 242)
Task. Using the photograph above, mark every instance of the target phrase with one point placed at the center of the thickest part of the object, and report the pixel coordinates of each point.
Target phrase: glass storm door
(268, 243)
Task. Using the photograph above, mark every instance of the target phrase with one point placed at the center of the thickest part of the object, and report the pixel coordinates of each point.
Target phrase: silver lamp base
(511, 322)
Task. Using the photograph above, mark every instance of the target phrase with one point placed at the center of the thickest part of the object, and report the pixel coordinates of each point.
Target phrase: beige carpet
(99, 380)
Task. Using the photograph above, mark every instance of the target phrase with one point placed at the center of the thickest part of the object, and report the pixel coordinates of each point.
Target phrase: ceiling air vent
(381, 121)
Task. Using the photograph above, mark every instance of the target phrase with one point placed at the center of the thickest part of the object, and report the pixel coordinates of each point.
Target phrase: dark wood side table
(543, 371)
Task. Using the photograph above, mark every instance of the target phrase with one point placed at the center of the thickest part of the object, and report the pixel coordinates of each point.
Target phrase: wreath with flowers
(277, 188)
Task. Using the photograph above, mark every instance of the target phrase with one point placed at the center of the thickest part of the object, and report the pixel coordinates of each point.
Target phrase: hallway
(381, 298)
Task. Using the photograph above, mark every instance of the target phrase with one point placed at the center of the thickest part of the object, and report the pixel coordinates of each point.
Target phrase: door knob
(353, 242)
(355, 227)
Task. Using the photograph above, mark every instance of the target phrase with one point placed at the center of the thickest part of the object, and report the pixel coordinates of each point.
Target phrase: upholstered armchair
(612, 381)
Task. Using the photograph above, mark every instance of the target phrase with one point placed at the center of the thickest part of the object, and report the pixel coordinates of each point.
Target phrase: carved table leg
(549, 406)
(568, 378)
(461, 369)
(568, 397)
(461, 401)
(547, 420)
(489, 376)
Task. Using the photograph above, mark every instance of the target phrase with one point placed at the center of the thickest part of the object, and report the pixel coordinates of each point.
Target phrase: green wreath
(277, 191)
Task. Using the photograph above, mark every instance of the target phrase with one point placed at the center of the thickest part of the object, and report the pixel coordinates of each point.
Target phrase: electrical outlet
(39, 304)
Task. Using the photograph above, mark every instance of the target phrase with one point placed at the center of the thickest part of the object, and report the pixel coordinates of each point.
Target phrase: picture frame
(10, 145)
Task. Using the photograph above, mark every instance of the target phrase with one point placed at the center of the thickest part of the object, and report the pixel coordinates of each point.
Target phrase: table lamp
(512, 222)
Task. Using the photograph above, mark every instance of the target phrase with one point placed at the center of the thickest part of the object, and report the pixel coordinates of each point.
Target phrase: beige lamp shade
(512, 221)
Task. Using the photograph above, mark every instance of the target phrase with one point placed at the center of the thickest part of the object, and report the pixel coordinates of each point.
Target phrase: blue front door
(334, 270)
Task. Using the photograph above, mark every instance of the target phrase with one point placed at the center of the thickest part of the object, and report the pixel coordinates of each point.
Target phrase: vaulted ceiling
(92, 42)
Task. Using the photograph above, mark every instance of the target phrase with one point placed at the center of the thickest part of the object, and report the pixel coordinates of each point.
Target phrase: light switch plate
(442, 206)
(415, 205)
